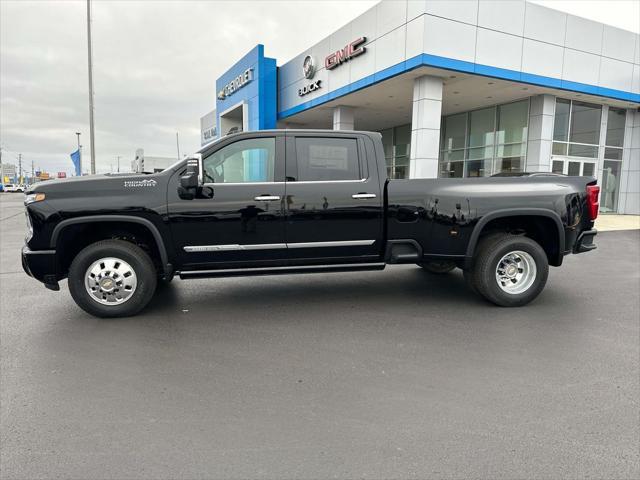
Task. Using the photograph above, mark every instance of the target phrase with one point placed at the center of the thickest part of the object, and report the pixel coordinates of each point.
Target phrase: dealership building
(459, 89)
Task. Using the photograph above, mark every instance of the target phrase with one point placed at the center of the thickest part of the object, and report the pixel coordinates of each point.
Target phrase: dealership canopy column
(425, 127)
(343, 118)
(540, 136)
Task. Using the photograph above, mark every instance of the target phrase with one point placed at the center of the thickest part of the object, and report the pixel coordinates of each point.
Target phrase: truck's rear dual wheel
(509, 270)
(112, 278)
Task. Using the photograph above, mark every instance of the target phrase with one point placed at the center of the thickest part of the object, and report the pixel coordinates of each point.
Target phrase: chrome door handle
(361, 196)
(266, 198)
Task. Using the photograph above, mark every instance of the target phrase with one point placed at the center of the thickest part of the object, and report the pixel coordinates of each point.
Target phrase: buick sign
(352, 50)
(309, 70)
(312, 87)
(308, 67)
(236, 84)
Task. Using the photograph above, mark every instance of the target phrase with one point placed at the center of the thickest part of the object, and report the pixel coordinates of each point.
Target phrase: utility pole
(118, 163)
(19, 168)
(32, 173)
(91, 130)
(178, 145)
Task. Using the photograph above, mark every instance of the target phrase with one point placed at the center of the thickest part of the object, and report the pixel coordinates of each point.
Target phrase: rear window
(327, 159)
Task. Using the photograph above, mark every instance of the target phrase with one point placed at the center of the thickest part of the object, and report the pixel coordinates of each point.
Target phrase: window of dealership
(397, 150)
(482, 142)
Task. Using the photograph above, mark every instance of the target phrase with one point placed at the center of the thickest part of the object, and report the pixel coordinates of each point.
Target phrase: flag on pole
(75, 158)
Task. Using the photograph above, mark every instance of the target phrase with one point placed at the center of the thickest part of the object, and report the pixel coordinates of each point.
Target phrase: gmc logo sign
(352, 50)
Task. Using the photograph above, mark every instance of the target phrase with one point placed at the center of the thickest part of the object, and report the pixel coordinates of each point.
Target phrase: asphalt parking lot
(394, 374)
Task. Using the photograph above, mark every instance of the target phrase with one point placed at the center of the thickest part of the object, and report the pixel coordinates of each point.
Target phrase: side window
(245, 161)
(322, 159)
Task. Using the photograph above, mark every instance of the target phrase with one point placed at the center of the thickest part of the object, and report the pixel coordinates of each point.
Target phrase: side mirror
(189, 182)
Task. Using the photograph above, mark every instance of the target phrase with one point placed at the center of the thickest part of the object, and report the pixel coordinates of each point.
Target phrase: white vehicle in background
(13, 187)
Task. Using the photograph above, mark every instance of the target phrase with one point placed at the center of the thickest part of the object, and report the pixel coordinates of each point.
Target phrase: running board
(245, 272)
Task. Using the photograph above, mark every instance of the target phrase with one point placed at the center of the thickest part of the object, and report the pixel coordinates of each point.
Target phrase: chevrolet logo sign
(236, 84)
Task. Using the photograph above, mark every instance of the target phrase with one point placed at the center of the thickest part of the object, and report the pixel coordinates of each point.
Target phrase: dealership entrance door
(234, 119)
(574, 167)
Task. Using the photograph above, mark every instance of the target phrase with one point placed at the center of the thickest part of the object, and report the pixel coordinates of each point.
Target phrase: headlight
(29, 226)
(33, 197)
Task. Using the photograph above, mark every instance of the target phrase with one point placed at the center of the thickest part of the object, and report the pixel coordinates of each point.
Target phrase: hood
(98, 184)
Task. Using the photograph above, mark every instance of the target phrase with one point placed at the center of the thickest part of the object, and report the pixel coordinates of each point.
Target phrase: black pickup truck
(298, 201)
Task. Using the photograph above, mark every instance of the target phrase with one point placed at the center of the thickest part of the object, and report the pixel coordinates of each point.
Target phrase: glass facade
(576, 130)
(482, 142)
(397, 145)
(612, 167)
(486, 141)
(576, 136)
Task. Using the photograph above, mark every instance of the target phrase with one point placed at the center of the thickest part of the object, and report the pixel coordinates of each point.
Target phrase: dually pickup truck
(298, 201)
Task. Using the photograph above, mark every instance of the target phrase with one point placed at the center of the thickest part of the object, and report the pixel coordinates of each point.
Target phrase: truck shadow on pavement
(396, 288)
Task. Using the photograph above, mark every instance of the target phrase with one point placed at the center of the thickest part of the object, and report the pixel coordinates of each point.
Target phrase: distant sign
(62, 174)
(44, 176)
(210, 134)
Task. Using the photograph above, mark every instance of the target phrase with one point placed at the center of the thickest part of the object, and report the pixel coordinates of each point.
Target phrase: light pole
(91, 131)
(79, 152)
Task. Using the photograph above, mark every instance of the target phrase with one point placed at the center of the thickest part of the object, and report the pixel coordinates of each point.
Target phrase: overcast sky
(155, 65)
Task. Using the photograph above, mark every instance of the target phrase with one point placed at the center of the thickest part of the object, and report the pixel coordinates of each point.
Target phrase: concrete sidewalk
(610, 222)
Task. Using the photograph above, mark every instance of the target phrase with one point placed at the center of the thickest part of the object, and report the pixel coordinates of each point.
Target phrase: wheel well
(75, 237)
(539, 228)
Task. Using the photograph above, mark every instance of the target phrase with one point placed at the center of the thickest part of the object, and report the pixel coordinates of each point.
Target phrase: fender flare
(516, 212)
(164, 258)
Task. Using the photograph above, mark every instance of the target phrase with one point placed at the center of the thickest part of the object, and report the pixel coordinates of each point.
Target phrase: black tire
(141, 264)
(438, 267)
(489, 254)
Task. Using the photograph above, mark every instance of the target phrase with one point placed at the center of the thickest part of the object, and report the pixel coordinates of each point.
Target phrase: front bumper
(41, 265)
(584, 243)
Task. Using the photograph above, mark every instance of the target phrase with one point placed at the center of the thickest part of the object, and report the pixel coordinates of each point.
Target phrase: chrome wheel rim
(110, 281)
(516, 272)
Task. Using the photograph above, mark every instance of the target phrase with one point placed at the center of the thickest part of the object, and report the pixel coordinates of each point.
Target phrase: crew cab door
(237, 216)
(334, 202)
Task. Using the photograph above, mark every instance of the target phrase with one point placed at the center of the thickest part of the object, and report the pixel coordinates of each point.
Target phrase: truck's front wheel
(509, 270)
(112, 278)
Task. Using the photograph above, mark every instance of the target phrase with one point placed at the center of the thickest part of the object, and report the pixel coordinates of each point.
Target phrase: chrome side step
(245, 272)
